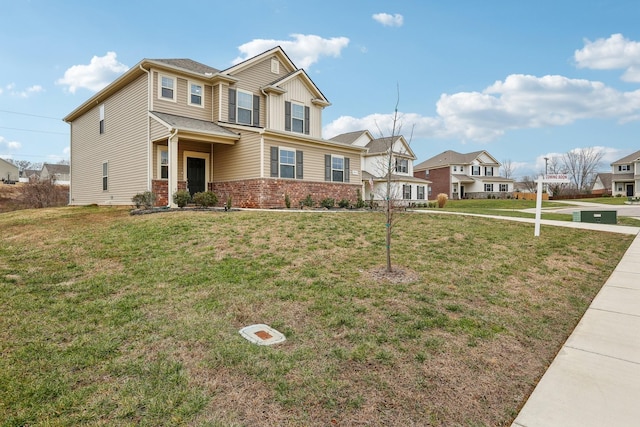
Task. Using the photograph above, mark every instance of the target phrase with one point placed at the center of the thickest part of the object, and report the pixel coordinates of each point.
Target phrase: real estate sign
(554, 178)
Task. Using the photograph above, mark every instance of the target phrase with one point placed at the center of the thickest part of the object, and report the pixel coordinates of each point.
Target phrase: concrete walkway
(594, 380)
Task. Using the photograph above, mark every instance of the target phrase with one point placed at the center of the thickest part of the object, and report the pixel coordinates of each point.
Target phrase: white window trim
(101, 121)
(198, 155)
(246, 92)
(189, 83)
(299, 104)
(280, 149)
(342, 170)
(105, 176)
(175, 87)
(159, 151)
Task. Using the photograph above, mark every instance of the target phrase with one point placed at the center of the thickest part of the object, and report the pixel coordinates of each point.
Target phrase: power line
(38, 131)
(31, 115)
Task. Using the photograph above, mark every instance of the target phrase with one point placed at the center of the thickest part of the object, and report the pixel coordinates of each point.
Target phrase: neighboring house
(374, 166)
(602, 184)
(625, 179)
(251, 132)
(59, 173)
(27, 175)
(8, 171)
(464, 176)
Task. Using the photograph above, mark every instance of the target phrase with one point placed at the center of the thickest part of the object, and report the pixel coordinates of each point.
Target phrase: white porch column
(173, 168)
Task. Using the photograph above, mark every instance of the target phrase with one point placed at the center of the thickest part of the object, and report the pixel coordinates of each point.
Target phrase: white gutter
(149, 157)
(173, 169)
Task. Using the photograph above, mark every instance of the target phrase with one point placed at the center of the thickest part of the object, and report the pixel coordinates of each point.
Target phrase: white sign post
(555, 178)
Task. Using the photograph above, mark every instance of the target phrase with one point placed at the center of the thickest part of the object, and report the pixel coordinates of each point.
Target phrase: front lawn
(112, 319)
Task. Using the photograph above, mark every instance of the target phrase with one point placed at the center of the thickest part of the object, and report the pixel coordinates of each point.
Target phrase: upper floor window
(623, 168)
(102, 118)
(296, 117)
(402, 165)
(244, 107)
(195, 94)
(488, 171)
(167, 88)
(455, 168)
(475, 170)
(286, 163)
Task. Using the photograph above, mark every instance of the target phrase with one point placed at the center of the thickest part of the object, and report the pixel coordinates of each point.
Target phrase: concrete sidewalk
(595, 378)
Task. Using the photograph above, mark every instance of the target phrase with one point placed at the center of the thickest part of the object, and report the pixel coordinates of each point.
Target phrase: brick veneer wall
(270, 193)
(440, 180)
(160, 188)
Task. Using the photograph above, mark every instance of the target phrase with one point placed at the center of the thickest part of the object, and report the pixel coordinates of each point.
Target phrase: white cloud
(10, 145)
(382, 125)
(389, 20)
(304, 50)
(29, 91)
(101, 71)
(616, 52)
(518, 102)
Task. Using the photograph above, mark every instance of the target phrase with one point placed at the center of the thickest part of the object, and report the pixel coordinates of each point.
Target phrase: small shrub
(146, 199)
(227, 205)
(328, 203)
(344, 203)
(205, 199)
(442, 200)
(181, 198)
(308, 201)
(43, 194)
(359, 200)
(371, 203)
(287, 201)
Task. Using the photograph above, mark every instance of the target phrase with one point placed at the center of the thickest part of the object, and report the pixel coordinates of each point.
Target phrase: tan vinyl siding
(224, 104)
(181, 107)
(313, 159)
(157, 130)
(193, 146)
(123, 145)
(298, 92)
(239, 161)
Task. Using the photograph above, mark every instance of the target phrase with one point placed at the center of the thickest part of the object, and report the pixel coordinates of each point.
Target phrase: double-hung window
(488, 187)
(105, 176)
(406, 192)
(504, 187)
(287, 163)
(420, 192)
(336, 168)
(297, 117)
(488, 171)
(163, 157)
(245, 107)
(475, 170)
(402, 165)
(168, 88)
(195, 94)
(623, 168)
(101, 118)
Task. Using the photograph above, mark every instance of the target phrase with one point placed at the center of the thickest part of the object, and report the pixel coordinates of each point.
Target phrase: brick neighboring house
(602, 184)
(374, 166)
(625, 177)
(251, 132)
(464, 176)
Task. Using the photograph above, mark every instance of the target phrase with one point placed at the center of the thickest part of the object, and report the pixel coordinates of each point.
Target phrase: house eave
(295, 137)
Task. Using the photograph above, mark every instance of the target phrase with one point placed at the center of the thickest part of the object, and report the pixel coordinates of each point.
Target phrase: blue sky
(523, 80)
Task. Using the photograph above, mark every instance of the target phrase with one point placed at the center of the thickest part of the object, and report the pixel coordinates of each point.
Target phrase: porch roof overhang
(623, 177)
(463, 178)
(394, 178)
(200, 130)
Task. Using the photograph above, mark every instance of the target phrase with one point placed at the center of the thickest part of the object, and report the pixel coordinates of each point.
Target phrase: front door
(462, 191)
(629, 190)
(196, 179)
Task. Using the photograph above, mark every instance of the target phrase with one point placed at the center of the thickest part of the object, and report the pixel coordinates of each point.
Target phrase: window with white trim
(488, 187)
(196, 95)
(475, 170)
(488, 171)
(297, 117)
(105, 176)
(455, 168)
(167, 88)
(101, 118)
(406, 192)
(163, 162)
(402, 165)
(420, 192)
(287, 163)
(624, 168)
(504, 187)
(337, 169)
(245, 107)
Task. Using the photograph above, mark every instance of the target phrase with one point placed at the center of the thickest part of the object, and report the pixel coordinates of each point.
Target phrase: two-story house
(464, 176)
(375, 167)
(625, 177)
(251, 132)
(8, 171)
(58, 173)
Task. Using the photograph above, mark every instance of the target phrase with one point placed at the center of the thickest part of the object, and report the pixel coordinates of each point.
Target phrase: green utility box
(598, 217)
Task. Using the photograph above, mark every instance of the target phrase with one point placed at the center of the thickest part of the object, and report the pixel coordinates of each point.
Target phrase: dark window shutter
(232, 105)
(306, 120)
(287, 115)
(299, 174)
(346, 169)
(256, 110)
(274, 162)
(327, 167)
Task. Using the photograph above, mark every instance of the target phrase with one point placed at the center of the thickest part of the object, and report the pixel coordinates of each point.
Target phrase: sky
(523, 80)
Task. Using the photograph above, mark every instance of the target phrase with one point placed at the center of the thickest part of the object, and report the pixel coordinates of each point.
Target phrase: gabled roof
(9, 163)
(188, 65)
(450, 157)
(54, 168)
(628, 159)
(250, 61)
(194, 126)
(605, 179)
(382, 145)
(351, 137)
(319, 99)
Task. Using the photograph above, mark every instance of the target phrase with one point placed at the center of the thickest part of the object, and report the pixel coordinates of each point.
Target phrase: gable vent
(275, 66)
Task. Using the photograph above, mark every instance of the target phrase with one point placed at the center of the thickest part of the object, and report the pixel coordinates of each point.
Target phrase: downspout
(172, 168)
(149, 157)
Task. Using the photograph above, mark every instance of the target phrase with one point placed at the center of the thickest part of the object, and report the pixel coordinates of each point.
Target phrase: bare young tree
(530, 184)
(581, 165)
(507, 168)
